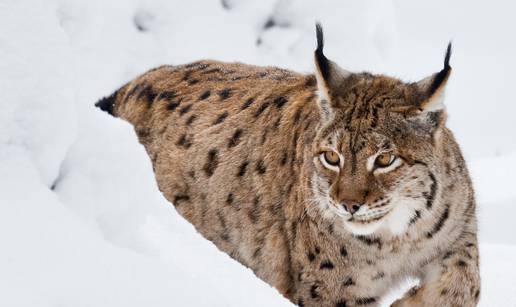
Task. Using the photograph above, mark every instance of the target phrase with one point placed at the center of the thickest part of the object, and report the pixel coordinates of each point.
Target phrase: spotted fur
(236, 148)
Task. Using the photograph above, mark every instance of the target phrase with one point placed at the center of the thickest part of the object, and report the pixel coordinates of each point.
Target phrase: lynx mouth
(368, 218)
(365, 223)
(363, 217)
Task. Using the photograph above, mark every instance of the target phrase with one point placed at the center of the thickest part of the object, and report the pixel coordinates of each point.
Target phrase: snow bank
(497, 272)
(51, 257)
(496, 196)
(36, 108)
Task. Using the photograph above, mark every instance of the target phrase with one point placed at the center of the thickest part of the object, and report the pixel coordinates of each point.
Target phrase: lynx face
(373, 155)
(370, 179)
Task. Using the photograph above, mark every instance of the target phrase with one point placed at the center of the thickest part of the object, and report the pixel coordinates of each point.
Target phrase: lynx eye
(330, 159)
(385, 159)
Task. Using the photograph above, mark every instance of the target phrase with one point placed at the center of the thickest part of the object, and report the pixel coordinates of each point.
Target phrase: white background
(82, 222)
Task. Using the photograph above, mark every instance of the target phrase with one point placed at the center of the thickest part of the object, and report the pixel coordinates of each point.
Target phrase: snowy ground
(81, 220)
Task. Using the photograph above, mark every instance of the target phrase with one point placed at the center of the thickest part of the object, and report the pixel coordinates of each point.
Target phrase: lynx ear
(432, 88)
(430, 109)
(330, 77)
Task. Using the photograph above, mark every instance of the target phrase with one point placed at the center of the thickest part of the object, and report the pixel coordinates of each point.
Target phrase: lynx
(332, 187)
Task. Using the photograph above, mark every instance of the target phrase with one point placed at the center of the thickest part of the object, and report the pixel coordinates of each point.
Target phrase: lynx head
(379, 140)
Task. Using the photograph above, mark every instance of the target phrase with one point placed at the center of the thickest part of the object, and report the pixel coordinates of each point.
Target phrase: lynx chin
(332, 187)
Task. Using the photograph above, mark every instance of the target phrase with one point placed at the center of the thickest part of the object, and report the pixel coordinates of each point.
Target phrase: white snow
(82, 222)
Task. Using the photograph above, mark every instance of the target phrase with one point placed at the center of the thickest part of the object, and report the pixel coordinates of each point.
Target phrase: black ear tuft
(320, 37)
(320, 58)
(448, 55)
(442, 76)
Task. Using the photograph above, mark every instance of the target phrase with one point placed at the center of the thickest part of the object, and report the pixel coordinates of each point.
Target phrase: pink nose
(351, 206)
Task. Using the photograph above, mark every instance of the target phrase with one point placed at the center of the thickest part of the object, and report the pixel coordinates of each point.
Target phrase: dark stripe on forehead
(354, 147)
(353, 163)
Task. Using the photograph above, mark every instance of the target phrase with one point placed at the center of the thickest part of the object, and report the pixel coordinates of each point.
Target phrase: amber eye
(385, 159)
(332, 158)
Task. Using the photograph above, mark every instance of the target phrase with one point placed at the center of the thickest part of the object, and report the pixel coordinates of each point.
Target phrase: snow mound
(36, 109)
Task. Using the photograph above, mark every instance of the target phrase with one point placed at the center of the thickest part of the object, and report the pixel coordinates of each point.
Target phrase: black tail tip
(106, 104)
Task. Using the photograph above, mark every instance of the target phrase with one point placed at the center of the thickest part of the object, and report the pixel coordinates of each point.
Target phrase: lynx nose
(351, 206)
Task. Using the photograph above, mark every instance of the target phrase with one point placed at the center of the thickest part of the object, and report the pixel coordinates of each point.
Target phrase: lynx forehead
(331, 187)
